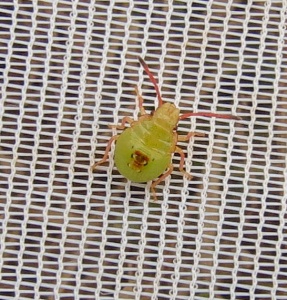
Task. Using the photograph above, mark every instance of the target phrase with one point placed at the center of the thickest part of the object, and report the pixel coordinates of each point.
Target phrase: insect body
(144, 150)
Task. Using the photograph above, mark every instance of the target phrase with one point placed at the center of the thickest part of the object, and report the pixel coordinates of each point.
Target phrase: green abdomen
(153, 142)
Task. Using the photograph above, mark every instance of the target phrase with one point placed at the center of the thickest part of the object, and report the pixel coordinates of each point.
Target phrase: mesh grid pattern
(68, 70)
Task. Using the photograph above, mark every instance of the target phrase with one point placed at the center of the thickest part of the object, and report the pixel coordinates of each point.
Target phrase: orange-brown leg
(184, 138)
(181, 164)
(106, 155)
(160, 179)
(124, 121)
(140, 100)
(129, 120)
(180, 152)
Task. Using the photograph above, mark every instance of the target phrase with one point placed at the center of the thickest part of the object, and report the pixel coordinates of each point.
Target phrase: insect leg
(106, 155)
(160, 179)
(183, 138)
(140, 99)
(181, 164)
(178, 150)
(122, 125)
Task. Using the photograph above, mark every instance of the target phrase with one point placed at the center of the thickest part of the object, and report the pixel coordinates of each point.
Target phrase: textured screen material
(68, 71)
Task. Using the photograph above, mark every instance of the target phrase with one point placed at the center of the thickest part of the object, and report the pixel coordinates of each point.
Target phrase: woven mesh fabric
(68, 70)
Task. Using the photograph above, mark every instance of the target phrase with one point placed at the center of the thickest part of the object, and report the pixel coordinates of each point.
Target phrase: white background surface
(68, 71)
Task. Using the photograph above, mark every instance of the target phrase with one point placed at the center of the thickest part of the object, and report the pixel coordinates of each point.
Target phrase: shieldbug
(144, 150)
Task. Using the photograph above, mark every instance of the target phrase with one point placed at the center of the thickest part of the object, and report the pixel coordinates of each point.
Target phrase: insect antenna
(153, 80)
(210, 115)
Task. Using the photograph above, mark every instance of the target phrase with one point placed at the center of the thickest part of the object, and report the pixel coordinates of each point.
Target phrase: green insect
(144, 150)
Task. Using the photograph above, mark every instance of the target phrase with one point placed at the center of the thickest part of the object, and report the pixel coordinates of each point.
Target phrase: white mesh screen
(68, 70)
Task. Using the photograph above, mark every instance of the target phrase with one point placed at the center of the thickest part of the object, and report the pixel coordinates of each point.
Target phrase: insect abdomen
(143, 152)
